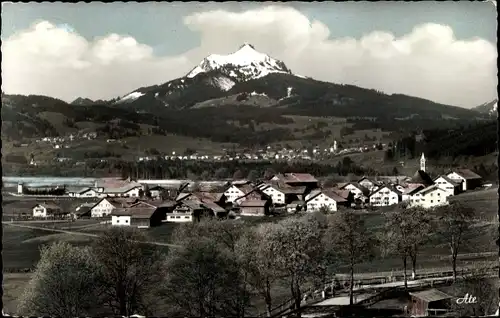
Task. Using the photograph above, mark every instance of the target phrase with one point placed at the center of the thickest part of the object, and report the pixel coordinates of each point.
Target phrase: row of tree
(222, 268)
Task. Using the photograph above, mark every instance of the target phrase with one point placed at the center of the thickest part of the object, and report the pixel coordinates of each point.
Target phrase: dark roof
(391, 188)
(421, 177)
(453, 182)
(135, 213)
(431, 295)
(213, 206)
(52, 206)
(299, 177)
(357, 185)
(253, 203)
(467, 174)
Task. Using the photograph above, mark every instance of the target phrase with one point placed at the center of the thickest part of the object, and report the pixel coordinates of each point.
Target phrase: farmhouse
(411, 190)
(429, 197)
(156, 191)
(236, 191)
(469, 179)
(318, 199)
(368, 184)
(46, 209)
(360, 193)
(297, 179)
(82, 192)
(141, 215)
(255, 207)
(104, 207)
(385, 196)
(430, 302)
(254, 194)
(274, 192)
(188, 211)
(451, 186)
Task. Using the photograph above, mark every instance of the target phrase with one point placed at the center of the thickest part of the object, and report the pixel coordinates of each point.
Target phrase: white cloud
(428, 62)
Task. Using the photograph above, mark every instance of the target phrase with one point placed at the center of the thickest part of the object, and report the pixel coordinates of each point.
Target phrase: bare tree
(64, 283)
(419, 222)
(351, 241)
(453, 221)
(130, 270)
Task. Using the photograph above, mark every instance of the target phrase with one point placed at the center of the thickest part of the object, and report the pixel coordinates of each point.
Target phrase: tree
(221, 173)
(238, 175)
(453, 221)
(351, 241)
(253, 175)
(64, 283)
(420, 225)
(255, 254)
(131, 270)
(294, 242)
(205, 175)
(210, 278)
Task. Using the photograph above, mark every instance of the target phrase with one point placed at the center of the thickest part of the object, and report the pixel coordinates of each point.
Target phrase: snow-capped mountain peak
(242, 65)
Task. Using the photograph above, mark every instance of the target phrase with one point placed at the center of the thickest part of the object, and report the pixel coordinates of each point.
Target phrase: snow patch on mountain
(223, 83)
(130, 97)
(243, 65)
(289, 91)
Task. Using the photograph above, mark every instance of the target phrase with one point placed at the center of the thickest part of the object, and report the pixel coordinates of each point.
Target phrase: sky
(442, 51)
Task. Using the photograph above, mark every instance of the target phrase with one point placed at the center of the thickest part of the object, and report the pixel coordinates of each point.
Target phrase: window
(117, 220)
(432, 201)
(126, 221)
(186, 217)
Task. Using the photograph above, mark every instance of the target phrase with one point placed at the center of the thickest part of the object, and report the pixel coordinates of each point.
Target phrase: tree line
(226, 268)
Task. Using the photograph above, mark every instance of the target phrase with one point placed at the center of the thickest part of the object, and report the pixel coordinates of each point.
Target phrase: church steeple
(422, 162)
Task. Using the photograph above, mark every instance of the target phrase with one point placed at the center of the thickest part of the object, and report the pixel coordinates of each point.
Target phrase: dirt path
(80, 233)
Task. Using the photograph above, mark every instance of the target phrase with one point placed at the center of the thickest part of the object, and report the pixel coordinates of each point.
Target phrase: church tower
(422, 163)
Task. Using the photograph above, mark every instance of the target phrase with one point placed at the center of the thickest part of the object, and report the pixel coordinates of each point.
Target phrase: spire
(422, 162)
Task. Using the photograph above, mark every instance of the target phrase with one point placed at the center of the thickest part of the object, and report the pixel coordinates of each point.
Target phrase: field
(21, 246)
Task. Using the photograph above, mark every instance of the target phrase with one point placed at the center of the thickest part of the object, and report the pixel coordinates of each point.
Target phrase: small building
(156, 191)
(236, 191)
(188, 211)
(453, 187)
(430, 302)
(273, 191)
(84, 210)
(318, 199)
(409, 191)
(385, 196)
(470, 180)
(104, 207)
(430, 197)
(140, 215)
(297, 180)
(368, 184)
(255, 207)
(360, 192)
(43, 210)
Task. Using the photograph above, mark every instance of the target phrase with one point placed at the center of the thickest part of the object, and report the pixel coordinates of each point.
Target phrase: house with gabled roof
(430, 197)
(368, 183)
(453, 187)
(385, 196)
(360, 193)
(411, 190)
(236, 191)
(255, 207)
(468, 178)
(297, 179)
(254, 194)
(318, 199)
(46, 209)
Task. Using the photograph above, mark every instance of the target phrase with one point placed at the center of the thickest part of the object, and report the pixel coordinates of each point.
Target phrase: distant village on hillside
(148, 203)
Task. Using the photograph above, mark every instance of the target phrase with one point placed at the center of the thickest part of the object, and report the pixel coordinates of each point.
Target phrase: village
(149, 203)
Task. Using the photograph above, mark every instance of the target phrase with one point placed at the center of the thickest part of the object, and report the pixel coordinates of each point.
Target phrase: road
(82, 233)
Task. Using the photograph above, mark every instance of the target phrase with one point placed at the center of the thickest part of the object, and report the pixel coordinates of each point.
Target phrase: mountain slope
(489, 108)
(247, 72)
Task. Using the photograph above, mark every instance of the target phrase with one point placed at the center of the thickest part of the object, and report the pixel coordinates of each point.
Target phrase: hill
(489, 108)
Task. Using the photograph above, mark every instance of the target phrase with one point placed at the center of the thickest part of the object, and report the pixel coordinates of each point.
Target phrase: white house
(120, 220)
(359, 191)
(277, 196)
(409, 191)
(430, 197)
(102, 208)
(318, 199)
(367, 183)
(45, 210)
(451, 186)
(385, 196)
(233, 193)
(127, 191)
(468, 178)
